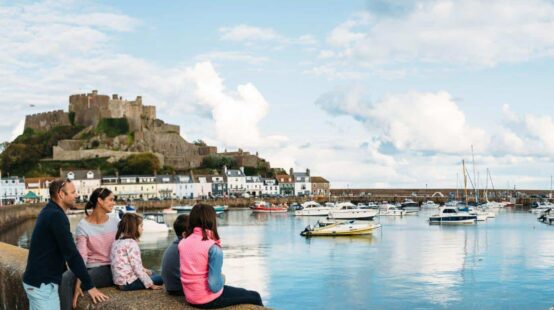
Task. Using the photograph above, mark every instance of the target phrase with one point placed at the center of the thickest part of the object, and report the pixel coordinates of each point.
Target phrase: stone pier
(12, 296)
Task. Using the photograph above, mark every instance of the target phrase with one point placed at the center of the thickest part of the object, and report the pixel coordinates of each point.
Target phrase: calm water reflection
(504, 263)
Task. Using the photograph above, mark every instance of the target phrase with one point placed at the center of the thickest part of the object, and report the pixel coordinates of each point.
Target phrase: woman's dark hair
(101, 192)
(181, 225)
(128, 227)
(203, 216)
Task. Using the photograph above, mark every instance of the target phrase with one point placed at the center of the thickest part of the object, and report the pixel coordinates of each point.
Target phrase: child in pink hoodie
(201, 259)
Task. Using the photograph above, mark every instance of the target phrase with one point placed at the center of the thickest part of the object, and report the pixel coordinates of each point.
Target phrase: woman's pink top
(127, 264)
(94, 241)
(193, 256)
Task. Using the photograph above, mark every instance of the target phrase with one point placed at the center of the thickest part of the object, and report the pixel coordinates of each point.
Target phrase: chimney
(115, 97)
(94, 92)
(291, 171)
(225, 169)
(308, 172)
(242, 170)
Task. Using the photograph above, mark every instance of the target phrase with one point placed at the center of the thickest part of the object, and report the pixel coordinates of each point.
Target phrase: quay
(12, 296)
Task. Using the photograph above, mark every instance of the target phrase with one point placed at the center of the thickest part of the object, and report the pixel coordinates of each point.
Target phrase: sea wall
(12, 296)
(13, 215)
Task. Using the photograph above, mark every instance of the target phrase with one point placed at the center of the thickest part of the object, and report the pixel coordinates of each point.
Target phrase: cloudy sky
(365, 93)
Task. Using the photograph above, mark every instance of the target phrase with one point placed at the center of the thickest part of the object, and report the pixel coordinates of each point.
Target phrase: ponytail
(101, 192)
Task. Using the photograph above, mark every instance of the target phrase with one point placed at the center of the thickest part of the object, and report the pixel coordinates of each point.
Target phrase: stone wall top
(12, 296)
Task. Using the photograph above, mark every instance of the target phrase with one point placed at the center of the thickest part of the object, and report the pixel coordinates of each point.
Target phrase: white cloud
(236, 113)
(248, 33)
(473, 32)
(525, 134)
(411, 121)
(232, 56)
(18, 129)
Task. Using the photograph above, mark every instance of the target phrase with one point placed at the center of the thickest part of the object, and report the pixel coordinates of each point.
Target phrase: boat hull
(453, 220)
(312, 212)
(269, 210)
(341, 230)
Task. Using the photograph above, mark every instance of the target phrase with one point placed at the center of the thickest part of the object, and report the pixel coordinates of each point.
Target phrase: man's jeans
(43, 297)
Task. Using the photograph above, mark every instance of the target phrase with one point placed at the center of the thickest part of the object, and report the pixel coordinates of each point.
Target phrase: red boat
(266, 207)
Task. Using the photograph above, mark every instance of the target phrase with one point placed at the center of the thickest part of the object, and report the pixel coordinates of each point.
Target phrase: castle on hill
(146, 133)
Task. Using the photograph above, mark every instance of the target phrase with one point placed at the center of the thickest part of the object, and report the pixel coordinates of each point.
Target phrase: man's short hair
(56, 186)
(181, 225)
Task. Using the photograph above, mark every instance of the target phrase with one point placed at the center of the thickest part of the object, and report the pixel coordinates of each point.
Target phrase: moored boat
(451, 215)
(390, 210)
(312, 208)
(349, 211)
(266, 207)
(340, 228)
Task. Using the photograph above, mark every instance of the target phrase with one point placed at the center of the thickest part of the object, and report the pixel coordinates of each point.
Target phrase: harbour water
(504, 263)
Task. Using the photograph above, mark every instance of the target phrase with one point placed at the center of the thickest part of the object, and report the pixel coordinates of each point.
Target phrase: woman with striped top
(94, 237)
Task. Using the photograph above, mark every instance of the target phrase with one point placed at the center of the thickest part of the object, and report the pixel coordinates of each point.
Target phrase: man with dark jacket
(52, 246)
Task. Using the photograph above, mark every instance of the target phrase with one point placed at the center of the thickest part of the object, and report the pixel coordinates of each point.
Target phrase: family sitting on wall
(107, 253)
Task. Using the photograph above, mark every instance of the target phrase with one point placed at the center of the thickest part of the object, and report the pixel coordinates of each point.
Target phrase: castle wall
(207, 150)
(46, 121)
(61, 154)
(177, 152)
(70, 145)
(89, 108)
(133, 114)
(149, 112)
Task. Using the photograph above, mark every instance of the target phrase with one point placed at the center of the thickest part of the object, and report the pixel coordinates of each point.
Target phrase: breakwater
(12, 296)
(13, 215)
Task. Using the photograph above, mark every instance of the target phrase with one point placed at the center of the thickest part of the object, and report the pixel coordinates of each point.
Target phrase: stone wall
(47, 120)
(90, 108)
(12, 296)
(13, 215)
(62, 154)
(70, 145)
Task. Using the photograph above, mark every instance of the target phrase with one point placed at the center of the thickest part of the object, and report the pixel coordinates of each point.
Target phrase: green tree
(113, 127)
(145, 163)
(214, 161)
(199, 142)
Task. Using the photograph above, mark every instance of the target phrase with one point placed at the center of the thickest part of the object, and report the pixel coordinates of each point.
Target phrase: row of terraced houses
(231, 183)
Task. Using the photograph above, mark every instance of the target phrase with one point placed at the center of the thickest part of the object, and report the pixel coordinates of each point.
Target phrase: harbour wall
(12, 296)
(13, 215)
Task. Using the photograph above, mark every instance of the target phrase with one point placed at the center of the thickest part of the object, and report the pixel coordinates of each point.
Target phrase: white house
(219, 187)
(270, 187)
(85, 181)
(254, 185)
(165, 186)
(131, 186)
(12, 189)
(184, 187)
(236, 180)
(302, 183)
(39, 186)
(202, 186)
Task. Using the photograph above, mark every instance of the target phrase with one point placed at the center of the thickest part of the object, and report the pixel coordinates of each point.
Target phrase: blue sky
(365, 93)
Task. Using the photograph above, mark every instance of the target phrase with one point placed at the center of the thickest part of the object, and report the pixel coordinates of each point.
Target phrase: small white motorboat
(182, 209)
(312, 208)
(349, 211)
(390, 210)
(429, 204)
(451, 215)
(340, 228)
